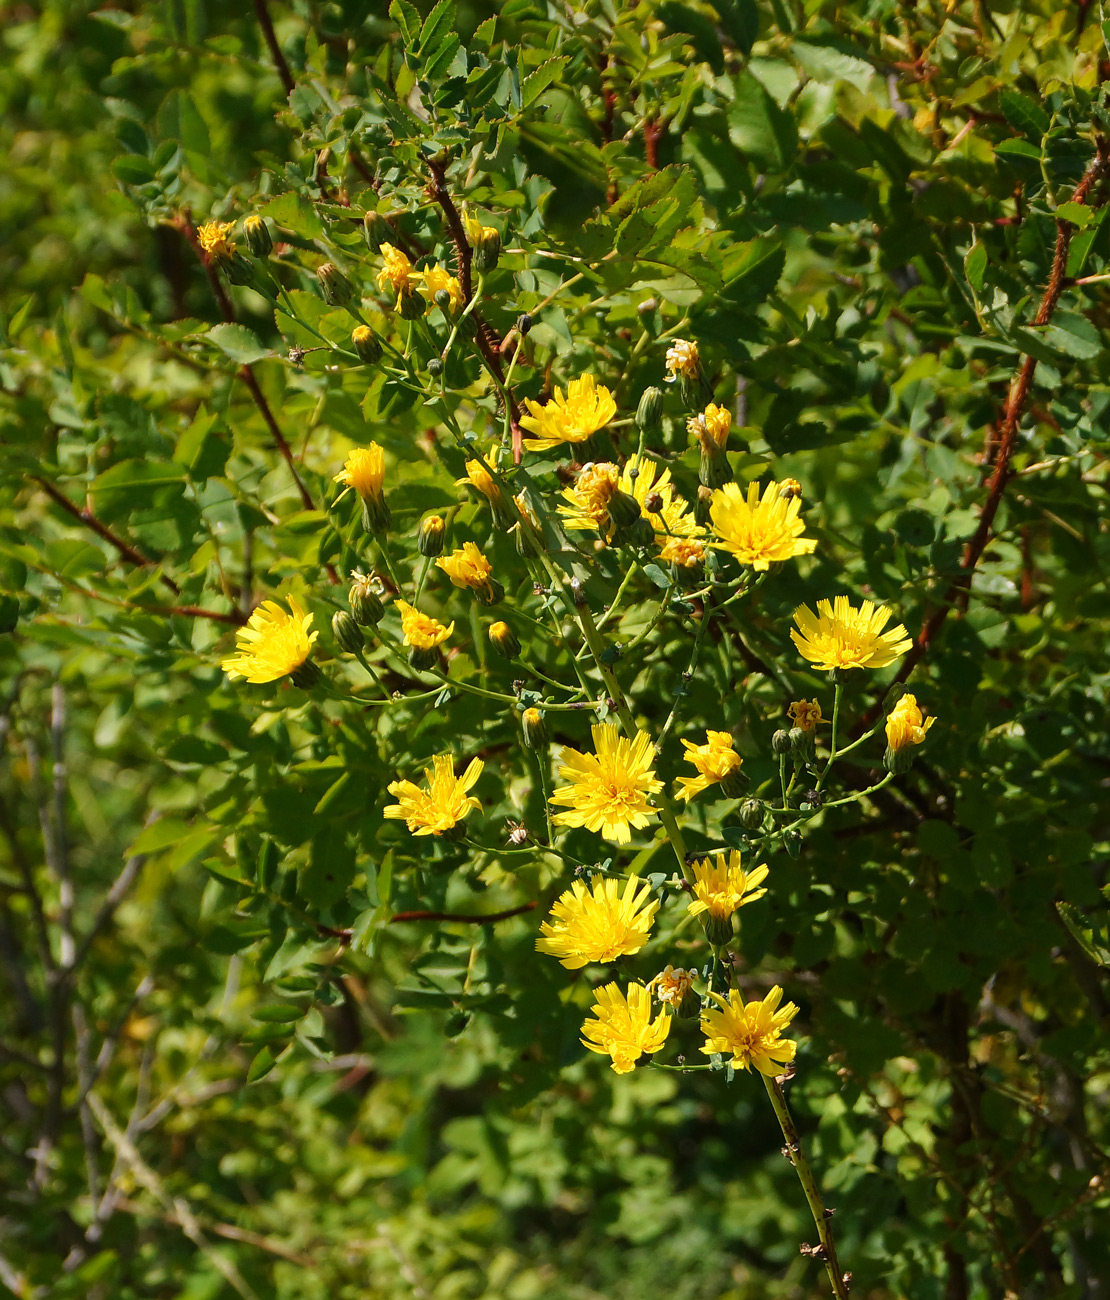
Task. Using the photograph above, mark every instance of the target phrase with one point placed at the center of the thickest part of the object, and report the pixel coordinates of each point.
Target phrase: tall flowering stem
(822, 1218)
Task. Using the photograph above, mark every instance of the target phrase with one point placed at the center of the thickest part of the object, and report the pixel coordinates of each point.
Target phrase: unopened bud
(623, 509)
(366, 606)
(257, 234)
(366, 345)
(411, 305)
(435, 367)
(334, 285)
(792, 842)
(804, 742)
(523, 323)
(534, 728)
(442, 300)
(653, 503)
(238, 268)
(491, 594)
(713, 468)
(487, 249)
(430, 535)
(347, 633)
(898, 761)
(376, 518)
(640, 534)
(504, 640)
(781, 743)
(649, 413)
(751, 814)
(377, 231)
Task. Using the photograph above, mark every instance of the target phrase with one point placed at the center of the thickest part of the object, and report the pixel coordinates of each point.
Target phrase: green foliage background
(855, 209)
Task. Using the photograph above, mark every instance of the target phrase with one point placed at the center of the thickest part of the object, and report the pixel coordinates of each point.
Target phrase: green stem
(827, 1249)
(420, 581)
(633, 569)
(832, 739)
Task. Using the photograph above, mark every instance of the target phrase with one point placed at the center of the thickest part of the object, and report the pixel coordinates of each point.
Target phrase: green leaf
(263, 1063)
(1077, 213)
(441, 58)
(277, 1013)
(159, 835)
(680, 18)
(132, 169)
(975, 265)
(437, 25)
(1095, 943)
(408, 21)
(238, 343)
(758, 275)
(824, 64)
(1022, 113)
(1074, 335)
(740, 19)
(762, 131)
(535, 83)
(293, 213)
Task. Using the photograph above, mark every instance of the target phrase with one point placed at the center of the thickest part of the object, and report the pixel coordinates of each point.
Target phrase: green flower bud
(898, 760)
(257, 234)
(534, 728)
(238, 269)
(781, 743)
(623, 509)
(376, 518)
(435, 367)
(792, 842)
(442, 300)
(751, 814)
(411, 305)
(366, 345)
(430, 535)
(649, 413)
(366, 605)
(377, 231)
(347, 633)
(334, 285)
(523, 323)
(487, 250)
(504, 640)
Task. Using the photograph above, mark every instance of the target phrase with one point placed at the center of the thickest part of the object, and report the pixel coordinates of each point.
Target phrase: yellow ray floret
(598, 924)
(396, 273)
(364, 471)
(213, 238)
(467, 568)
(587, 407)
(906, 724)
(759, 532)
(443, 804)
(750, 1034)
(839, 636)
(723, 887)
(436, 278)
(623, 1029)
(806, 714)
(273, 644)
(421, 630)
(608, 791)
(714, 423)
(715, 760)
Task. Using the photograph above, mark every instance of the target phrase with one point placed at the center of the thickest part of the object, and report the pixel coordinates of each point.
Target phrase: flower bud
(623, 509)
(713, 468)
(347, 633)
(366, 606)
(334, 285)
(257, 234)
(411, 304)
(366, 345)
(238, 268)
(781, 742)
(376, 518)
(803, 742)
(377, 231)
(898, 761)
(429, 537)
(792, 842)
(442, 300)
(653, 503)
(534, 728)
(649, 413)
(701, 506)
(435, 367)
(640, 534)
(751, 814)
(790, 487)
(423, 658)
(504, 640)
(487, 250)
(306, 675)
(523, 323)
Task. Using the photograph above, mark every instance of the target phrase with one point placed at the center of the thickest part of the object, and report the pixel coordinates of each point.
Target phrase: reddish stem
(280, 64)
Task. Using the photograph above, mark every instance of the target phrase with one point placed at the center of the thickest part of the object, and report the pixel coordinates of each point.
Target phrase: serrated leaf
(1073, 335)
(824, 64)
(238, 343)
(437, 25)
(408, 21)
(1076, 213)
(535, 83)
(763, 132)
(444, 55)
(1023, 113)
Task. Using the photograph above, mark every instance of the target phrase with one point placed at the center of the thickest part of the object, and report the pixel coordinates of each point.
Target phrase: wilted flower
(713, 424)
(608, 792)
(598, 924)
(213, 238)
(683, 360)
(839, 636)
(672, 984)
(750, 1034)
(587, 407)
(273, 644)
(624, 1029)
(906, 724)
(716, 761)
(443, 805)
(758, 532)
(806, 714)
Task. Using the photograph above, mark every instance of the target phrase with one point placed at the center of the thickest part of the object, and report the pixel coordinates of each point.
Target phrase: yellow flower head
(479, 477)
(805, 714)
(751, 1034)
(906, 724)
(686, 552)
(587, 407)
(758, 532)
(599, 924)
(436, 278)
(683, 359)
(213, 238)
(714, 424)
(608, 791)
(421, 630)
(838, 636)
(723, 887)
(273, 644)
(590, 496)
(624, 1029)
(396, 273)
(467, 568)
(672, 984)
(476, 232)
(364, 471)
(443, 805)
(715, 760)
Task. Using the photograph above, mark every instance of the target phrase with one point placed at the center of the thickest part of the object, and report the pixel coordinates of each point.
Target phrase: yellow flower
(751, 1034)
(364, 471)
(273, 644)
(476, 232)
(758, 532)
(598, 924)
(421, 630)
(587, 407)
(397, 272)
(686, 552)
(436, 278)
(906, 724)
(806, 714)
(213, 238)
(608, 792)
(443, 805)
(624, 1029)
(479, 477)
(672, 984)
(467, 568)
(838, 636)
(715, 761)
(714, 423)
(590, 496)
(790, 487)
(683, 359)
(723, 887)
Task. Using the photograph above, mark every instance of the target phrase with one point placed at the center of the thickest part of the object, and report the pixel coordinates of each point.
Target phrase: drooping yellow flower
(467, 568)
(364, 471)
(440, 807)
(273, 644)
(624, 1030)
(750, 1034)
(839, 636)
(608, 791)
(587, 407)
(758, 532)
(421, 630)
(589, 498)
(714, 424)
(806, 714)
(672, 984)
(396, 273)
(723, 887)
(715, 761)
(435, 279)
(476, 232)
(683, 359)
(598, 924)
(213, 238)
(906, 724)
